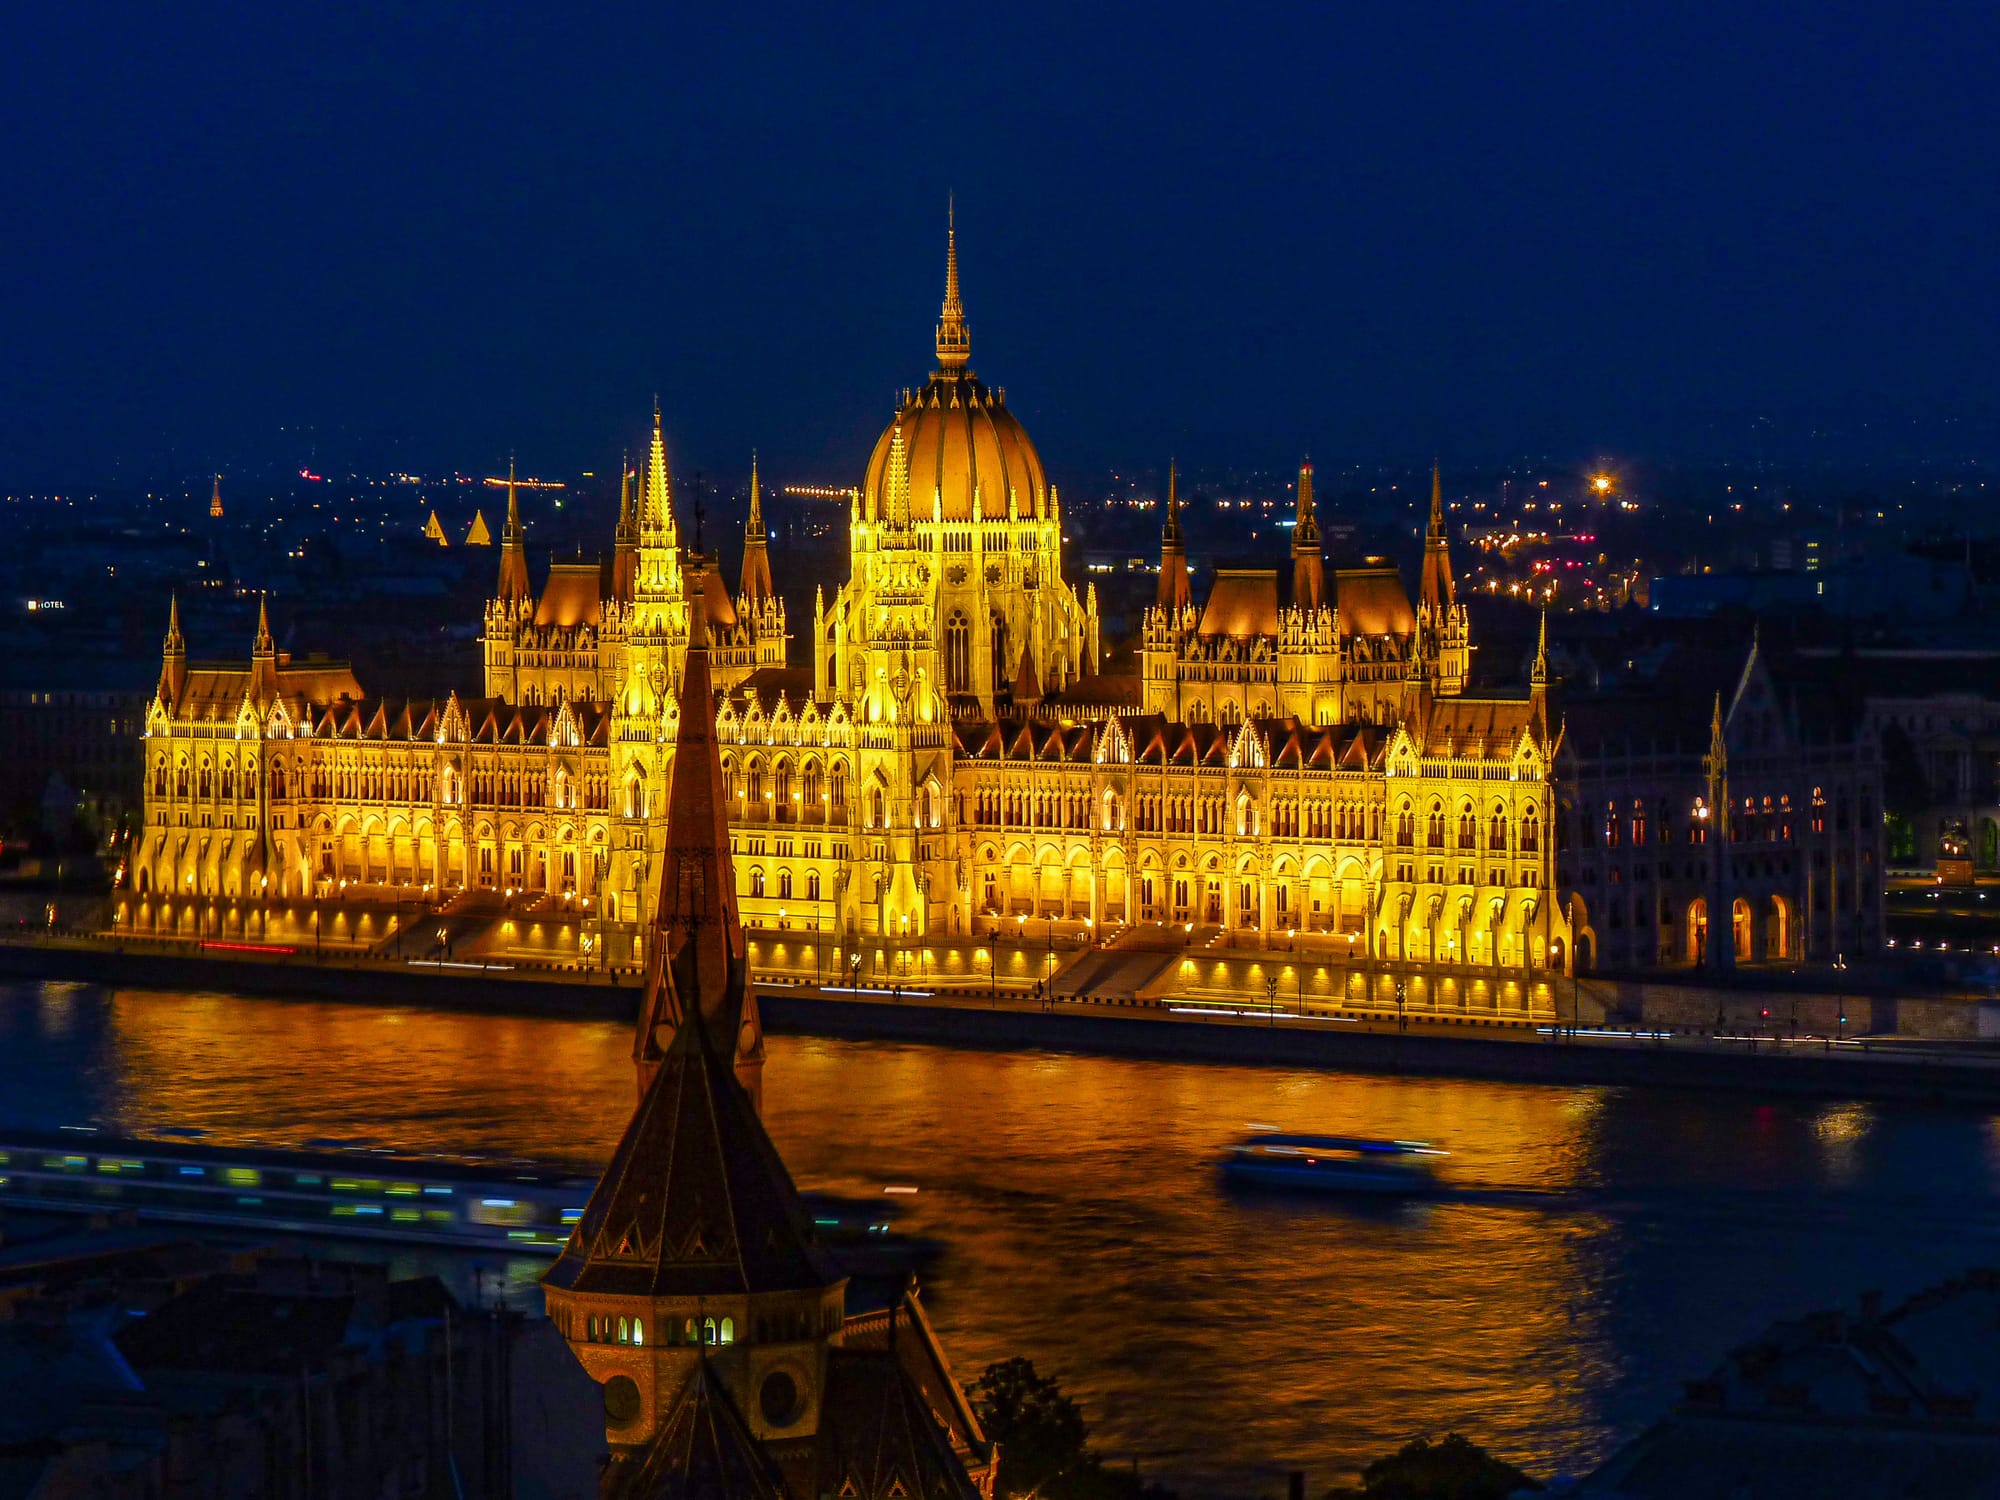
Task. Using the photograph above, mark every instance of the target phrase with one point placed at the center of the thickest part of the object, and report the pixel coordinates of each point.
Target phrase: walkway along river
(1597, 1246)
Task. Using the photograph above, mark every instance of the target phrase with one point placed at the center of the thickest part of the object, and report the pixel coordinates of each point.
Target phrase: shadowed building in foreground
(693, 1289)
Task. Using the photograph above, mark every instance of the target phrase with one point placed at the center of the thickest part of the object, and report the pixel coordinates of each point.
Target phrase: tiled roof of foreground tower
(696, 1201)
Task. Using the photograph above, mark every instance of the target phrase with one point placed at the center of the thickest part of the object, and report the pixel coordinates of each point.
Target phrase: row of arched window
(757, 884)
(1463, 832)
(604, 1328)
(757, 788)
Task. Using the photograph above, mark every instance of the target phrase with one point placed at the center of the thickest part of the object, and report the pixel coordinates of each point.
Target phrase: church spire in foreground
(695, 961)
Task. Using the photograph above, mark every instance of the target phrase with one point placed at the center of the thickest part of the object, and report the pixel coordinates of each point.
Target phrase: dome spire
(954, 340)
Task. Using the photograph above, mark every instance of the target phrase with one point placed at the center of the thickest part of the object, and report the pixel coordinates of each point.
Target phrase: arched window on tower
(1000, 678)
(958, 653)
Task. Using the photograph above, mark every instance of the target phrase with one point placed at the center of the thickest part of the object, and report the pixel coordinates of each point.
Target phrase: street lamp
(1402, 993)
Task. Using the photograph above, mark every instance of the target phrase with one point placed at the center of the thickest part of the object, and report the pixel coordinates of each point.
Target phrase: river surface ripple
(1599, 1245)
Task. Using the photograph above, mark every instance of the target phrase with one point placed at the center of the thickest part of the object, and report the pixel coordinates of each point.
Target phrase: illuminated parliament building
(1301, 757)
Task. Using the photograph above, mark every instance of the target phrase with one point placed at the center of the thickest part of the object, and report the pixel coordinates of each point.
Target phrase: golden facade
(1301, 761)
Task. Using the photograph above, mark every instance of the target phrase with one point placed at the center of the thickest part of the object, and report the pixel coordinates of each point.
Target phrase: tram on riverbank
(346, 1190)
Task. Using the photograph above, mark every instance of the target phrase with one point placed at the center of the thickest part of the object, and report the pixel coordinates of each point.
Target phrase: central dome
(961, 439)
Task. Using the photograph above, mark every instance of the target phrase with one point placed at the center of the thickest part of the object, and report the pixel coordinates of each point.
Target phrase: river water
(1599, 1245)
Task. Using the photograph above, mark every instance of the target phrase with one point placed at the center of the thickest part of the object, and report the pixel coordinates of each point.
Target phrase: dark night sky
(1372, 231)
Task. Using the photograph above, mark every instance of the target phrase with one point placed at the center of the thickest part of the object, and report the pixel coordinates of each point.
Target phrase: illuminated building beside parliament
(1300, 754)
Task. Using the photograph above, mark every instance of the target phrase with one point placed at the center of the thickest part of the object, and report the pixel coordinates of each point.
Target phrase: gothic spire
(899, 478)
(656, 499)
(1173, 595)
(624, 538)
(513, 546)
(173, 655)
(954, 339)
(215, 500)
(263, 658)
(1308, 564)
(757, 586)
(1438, 592)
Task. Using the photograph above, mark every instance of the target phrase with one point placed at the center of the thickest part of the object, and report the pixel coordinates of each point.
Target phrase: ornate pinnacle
(954, 340)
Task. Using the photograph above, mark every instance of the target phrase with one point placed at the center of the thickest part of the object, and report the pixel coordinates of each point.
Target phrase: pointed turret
(625, 538)
(263, 658)
(695, 961)
(434, 531)
(757, 587)
(954, 339)
(476, 535)
(1438, 592)
(1308, 562)
(1538, 682)
(215, 500)
(173, 656)
(1721, 942)
(657, 527)
(513, 548)
(1027, 681)
(899, 480)
(1174, 595)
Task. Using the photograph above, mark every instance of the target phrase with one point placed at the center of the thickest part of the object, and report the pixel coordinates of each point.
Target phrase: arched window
(1531, 831)
(781, 786)
(756, 882)
(881, 810)
(1496, 837)
(624, 1332)
(785, 885)
(1468, 829)
(958, 653)
(160, 776)
(838, 796)
(728, 778)
(1435, 837)
(1406, 827)
(809, 788)
(638, 1330)
(999, 651)
(205, 781)
(756, 785)
(708, 1330)
(728, 1330)
(812, 885)
(228, 779)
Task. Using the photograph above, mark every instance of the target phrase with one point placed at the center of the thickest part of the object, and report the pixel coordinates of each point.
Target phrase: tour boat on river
(1332, 1164)
(351, 1191)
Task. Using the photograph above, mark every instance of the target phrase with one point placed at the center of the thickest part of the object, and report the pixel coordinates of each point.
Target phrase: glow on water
(1596, 1245)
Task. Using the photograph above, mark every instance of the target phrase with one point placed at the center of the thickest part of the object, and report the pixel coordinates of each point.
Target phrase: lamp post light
(1402, 994)
(1271, 998)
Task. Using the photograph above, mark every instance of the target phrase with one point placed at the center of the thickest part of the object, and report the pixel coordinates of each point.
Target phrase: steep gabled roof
(696, 1201)
(704, 1450)
(879, 1439)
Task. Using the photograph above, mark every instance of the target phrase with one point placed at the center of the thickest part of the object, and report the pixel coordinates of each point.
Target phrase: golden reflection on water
(1208, 1335)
